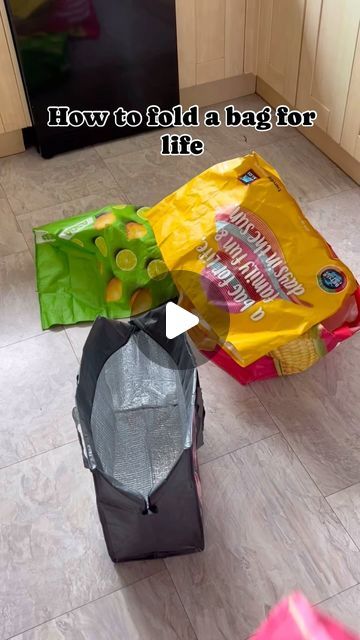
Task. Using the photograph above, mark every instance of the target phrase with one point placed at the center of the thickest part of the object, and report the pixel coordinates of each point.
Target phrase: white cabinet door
(210, 40)
(14, 112)
(327, 55)
(350, 137)
(216, 39)
(186, 42)
(279, 44)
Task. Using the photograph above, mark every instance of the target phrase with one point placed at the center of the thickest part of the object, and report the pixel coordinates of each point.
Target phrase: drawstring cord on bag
(149, 508)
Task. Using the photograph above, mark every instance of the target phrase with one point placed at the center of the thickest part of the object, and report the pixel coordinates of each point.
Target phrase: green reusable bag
(103, 262)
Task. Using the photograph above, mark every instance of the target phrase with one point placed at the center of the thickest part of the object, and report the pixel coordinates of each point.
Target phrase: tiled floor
(280, 467)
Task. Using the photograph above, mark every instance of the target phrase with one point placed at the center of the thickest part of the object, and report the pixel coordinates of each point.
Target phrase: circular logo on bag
(332, 280)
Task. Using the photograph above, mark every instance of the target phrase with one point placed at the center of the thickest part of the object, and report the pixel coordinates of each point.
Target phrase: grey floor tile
(52, 553)
(345, 607)
(37, 381)
(234, 415)
(77, 335)
(131, 144)
(147, 177)
(268, 532)
(318, 413)
(31, 183)
(346, 505)
(225, 143)
(11, 238)
(147, 610)
(337, 218)
(307, 173)
(27, 221)
(253, 137)
(221, 142)
(19, 308)
(268, 529)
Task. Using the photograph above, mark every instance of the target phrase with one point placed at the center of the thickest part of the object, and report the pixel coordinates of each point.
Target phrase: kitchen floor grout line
(105, 595)
(32, 253)
(292, 449)
(114, 177)
(36, 335)
(244, 446)
(353, 484)
(317, 604)
(337, 193)
(342, 524)
(51, 330)
(182, 604)
(311, 478)
(72, 348)
(254, 145)
(36, 455)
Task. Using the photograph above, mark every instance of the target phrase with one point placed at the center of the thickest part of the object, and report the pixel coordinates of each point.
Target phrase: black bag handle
(75, 415)
(199, 414)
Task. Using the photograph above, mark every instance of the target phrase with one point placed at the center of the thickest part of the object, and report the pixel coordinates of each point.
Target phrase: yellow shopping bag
(255, 258)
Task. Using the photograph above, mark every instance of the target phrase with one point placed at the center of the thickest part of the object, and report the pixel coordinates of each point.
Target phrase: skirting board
(11, 142)
(320, 139)
(218, 91)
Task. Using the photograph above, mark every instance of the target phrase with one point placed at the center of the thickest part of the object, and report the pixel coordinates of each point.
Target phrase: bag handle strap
(200, 414)
(75, 415)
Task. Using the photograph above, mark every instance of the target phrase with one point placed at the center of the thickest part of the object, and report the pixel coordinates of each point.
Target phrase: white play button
(178, 320)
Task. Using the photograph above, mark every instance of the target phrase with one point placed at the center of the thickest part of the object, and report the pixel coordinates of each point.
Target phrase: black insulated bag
(140, 417)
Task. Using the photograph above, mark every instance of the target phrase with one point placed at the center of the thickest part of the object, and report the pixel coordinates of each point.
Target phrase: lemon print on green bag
(157, 270)
(126, 260)
(101, 245)
(110, 260)
(113, 291)
(135, 231)
(141, 301)
(143, 212)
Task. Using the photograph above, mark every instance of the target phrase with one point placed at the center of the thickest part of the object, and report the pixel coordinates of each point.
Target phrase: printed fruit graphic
(134, 230)
(299, 354)
(126, 260)
(140, 301)
(113, 290)
(157, 270)
(143, 212)
(101, 245)
(104, 220)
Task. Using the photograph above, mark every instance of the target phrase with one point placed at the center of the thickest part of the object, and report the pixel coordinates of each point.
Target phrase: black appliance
(94, 55)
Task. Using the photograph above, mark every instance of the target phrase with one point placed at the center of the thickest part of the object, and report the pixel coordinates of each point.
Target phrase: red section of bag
(331, 334)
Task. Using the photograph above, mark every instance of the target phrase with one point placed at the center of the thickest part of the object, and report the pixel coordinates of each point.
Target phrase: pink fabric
(260, 370)
(264, 367)
(295, 619)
